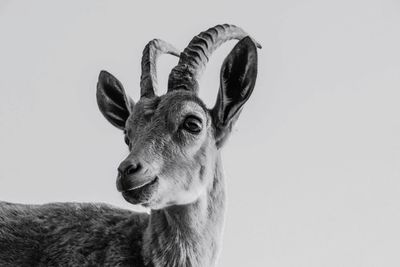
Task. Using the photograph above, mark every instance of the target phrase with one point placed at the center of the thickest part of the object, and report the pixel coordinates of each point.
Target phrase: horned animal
(173, 168)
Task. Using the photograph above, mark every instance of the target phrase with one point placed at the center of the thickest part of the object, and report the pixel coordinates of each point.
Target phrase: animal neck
(188, 235)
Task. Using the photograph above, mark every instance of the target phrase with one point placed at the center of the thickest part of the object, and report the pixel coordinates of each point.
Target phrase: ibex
(173, 168)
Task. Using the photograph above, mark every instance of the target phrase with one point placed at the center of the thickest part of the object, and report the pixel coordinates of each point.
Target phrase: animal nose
(131, 175)
(127, 168)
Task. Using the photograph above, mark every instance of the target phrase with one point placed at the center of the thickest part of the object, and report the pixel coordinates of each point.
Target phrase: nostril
(128, 168)
(132, 169)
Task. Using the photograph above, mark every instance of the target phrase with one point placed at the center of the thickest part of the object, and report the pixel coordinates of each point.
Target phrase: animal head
(174, 139)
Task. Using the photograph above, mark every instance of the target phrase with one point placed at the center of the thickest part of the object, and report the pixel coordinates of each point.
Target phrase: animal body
(173, 168)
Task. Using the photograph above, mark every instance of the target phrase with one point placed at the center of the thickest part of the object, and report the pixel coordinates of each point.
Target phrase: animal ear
(112, 100)
(237, 80)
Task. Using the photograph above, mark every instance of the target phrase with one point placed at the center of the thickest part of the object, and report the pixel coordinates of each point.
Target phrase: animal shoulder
(72, 234)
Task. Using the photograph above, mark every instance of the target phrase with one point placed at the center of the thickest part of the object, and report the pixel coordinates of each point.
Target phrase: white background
(313, 167)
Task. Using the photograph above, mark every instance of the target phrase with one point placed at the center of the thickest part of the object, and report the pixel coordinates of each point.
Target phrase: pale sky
(313, 167)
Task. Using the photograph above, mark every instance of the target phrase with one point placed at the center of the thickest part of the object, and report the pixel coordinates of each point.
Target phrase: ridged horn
(194, 58)
(151, 52)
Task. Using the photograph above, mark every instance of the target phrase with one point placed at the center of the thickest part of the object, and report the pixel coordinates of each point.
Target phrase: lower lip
(142, 186)
(141, 194)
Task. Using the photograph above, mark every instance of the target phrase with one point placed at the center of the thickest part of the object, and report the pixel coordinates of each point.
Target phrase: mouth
(140, 193)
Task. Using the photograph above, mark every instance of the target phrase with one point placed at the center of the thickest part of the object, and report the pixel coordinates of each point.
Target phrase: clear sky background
(313, 166)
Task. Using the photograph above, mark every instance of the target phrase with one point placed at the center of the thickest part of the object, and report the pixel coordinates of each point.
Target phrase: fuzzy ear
(112, 100)
(237, 80)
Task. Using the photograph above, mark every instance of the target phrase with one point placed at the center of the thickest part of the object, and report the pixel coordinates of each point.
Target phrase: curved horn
(148, 79)
(196, 55)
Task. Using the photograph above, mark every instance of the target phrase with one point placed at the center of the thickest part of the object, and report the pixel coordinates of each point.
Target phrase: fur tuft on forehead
(175, 97)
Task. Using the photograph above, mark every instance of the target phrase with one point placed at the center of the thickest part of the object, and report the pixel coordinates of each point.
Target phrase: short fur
(70, 234)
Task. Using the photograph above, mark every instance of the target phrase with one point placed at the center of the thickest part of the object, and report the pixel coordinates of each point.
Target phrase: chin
(142, 195)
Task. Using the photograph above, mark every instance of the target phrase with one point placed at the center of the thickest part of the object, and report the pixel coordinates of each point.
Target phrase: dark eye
(192, 124)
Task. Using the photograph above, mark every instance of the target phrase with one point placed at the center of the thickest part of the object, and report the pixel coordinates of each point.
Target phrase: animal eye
(192, 124)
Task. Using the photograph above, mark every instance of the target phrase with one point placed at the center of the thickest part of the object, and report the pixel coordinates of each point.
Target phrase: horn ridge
(151, 52)
(196, 55)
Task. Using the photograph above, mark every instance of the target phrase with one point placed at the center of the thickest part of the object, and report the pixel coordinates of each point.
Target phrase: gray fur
(70, 234)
